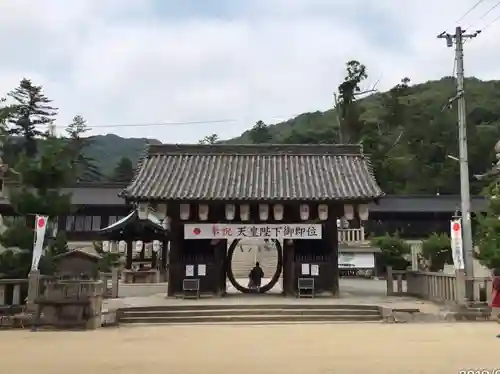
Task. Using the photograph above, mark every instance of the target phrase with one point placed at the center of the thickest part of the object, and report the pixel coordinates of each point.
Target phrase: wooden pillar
(220, 255)
(175, 267)
(334, 256)
(130, 251)
(288, 268)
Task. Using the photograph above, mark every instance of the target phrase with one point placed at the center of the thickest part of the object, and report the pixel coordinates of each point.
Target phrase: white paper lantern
(230, 211)
(122, 246)
(184, 211)
(105, 246)
(138, 245)
(156, 245)
(263, 212)
(142, 210)
(203, 212)
(323, 212)
(348, 212)
(161, 210)
(304, 212)
(244, 212)
(278, 212)
(363, 212)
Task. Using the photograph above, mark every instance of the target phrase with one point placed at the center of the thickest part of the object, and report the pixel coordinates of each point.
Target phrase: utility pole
(468, 250)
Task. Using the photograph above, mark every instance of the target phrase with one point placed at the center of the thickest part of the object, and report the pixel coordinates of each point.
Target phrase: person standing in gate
(495, 296)
(256, 275)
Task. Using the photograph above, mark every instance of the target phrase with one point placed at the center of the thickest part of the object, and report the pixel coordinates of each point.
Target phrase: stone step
(252, 323)
(250, 318)
(247, 312)
(291, 306)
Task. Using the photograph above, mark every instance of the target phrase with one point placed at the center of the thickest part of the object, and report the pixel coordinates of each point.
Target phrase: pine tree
(31, 113)
(124, 170)
(210, 139)
(85, 168)
(260, 133)
(488, 230)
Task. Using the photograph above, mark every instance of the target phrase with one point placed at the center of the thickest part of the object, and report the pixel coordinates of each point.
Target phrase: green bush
(394, 251)
(436, 249)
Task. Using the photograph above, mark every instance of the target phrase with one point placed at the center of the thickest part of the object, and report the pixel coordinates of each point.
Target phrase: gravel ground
(313, 349)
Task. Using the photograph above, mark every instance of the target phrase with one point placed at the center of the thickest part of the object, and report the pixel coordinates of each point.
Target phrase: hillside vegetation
(408, 131)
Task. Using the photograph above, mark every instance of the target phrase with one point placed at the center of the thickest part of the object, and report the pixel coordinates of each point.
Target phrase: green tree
(436, 249)
(39, 192)
(210, 139)
(348, 110)
(85, 168)
(31, 109)
(124, 171)
(260, 133)
(394, 251)
(488, 230)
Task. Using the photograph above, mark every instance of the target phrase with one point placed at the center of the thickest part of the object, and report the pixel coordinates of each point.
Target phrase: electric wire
(496, 5)
(470, 10)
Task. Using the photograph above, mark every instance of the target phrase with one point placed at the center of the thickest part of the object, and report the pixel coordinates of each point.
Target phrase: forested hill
(408, 131)
(107, 150)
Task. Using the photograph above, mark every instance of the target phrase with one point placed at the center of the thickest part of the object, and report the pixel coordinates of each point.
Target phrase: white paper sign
(189, 270)
(202, 270)
(259, 231)
(315, 270)
(305, 269)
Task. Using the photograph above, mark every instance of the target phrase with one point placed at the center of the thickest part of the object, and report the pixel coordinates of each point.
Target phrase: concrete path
(290, 349)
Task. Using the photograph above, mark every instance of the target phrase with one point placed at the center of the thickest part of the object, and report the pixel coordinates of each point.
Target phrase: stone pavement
(353, 291)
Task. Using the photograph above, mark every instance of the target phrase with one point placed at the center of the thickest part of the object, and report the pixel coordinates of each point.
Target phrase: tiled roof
(254, 172)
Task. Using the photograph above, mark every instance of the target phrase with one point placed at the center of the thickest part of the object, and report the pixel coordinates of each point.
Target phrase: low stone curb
(415, 316)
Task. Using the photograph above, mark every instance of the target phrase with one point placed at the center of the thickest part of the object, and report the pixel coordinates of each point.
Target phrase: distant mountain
(108, 149)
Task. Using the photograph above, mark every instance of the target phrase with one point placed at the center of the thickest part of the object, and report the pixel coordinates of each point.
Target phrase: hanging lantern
(184, 211)
(105, 246)
(122, 246)
(156, 245)
(161, 210)
(203, 212)
(278, 212)
(230, 211)
(304, 212)
(348, 212)
(138, 245)
(263, 212)
(244, 212)
(323, 212)
(142, 209)
(363, 212)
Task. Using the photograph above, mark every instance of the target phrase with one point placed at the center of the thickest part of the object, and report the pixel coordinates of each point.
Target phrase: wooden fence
(436, 287)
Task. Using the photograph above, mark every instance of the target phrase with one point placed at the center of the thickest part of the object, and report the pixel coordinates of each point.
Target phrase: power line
(470, 10)
(497, 4)
(492, 22)
(158, 124)
(491, 9)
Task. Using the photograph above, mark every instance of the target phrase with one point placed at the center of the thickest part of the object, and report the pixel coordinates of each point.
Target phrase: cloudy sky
(127, 62)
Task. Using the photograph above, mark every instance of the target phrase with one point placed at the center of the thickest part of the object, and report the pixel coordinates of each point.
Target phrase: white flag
(40, 228)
